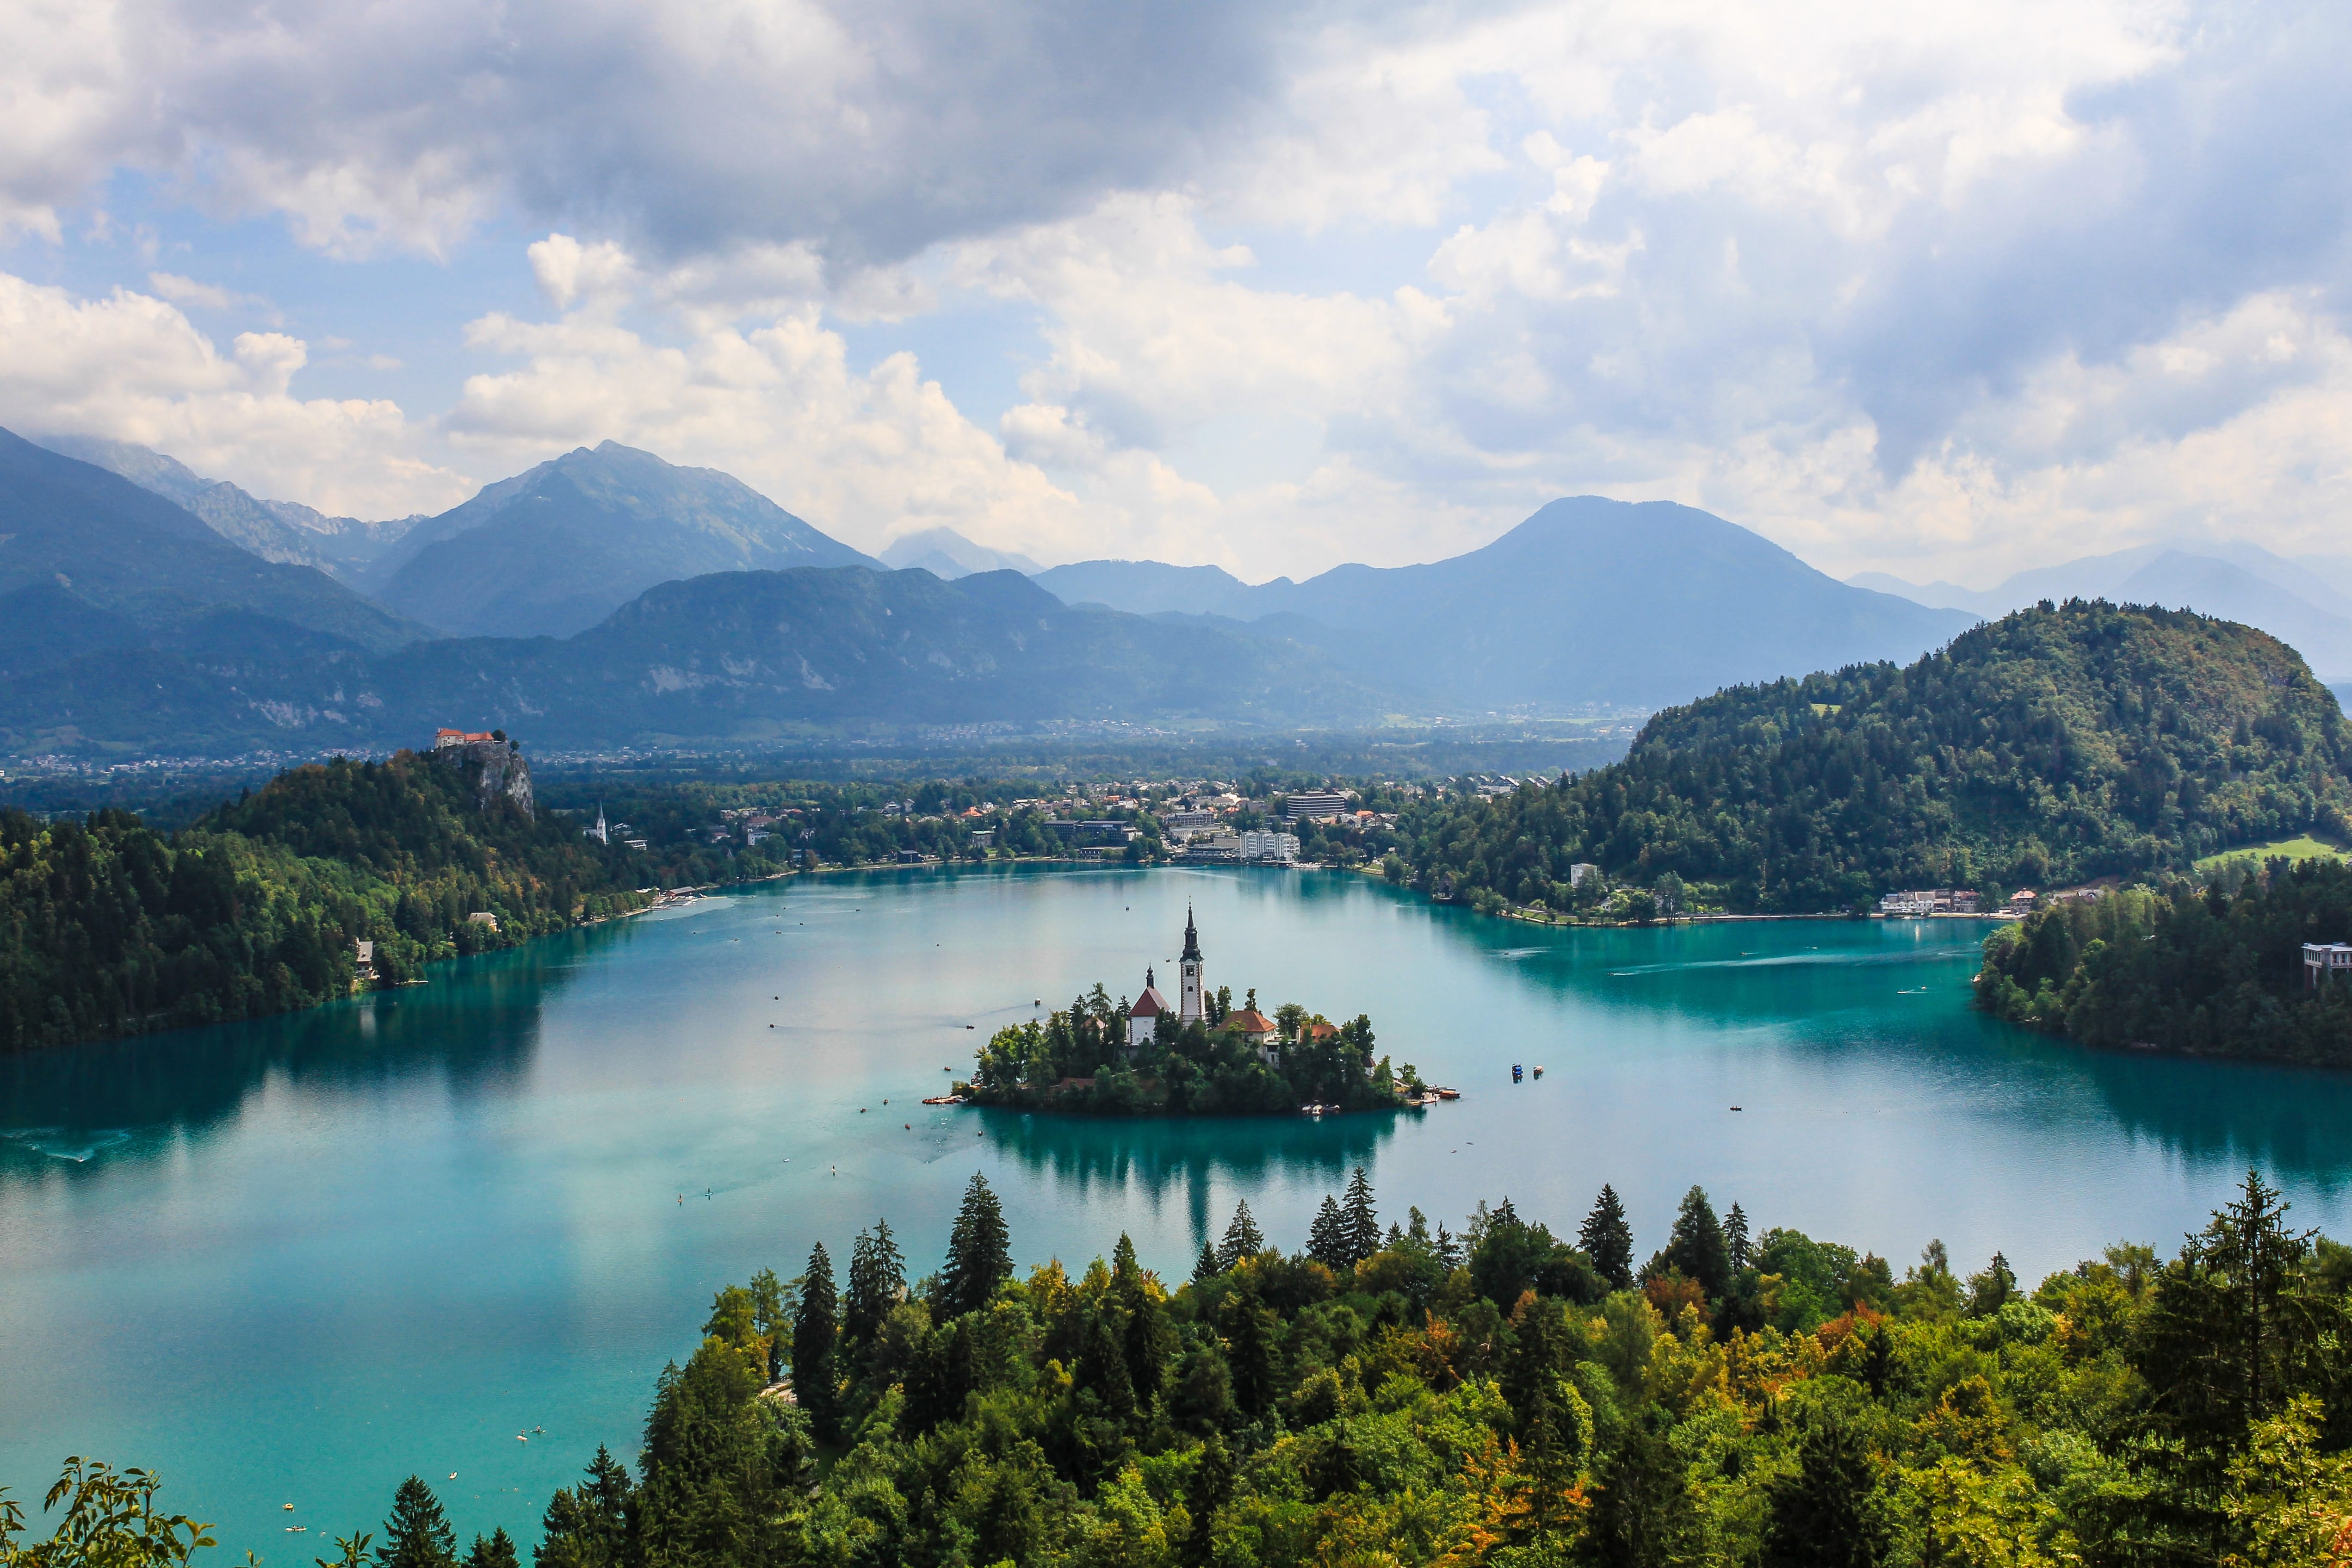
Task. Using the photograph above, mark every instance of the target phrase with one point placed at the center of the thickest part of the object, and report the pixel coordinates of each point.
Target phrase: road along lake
(299, 1259)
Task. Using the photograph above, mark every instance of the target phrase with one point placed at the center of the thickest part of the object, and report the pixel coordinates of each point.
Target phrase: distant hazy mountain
(2305, 603)
(556, 549)
(1588, 600)
(97, 562)
(947, 554)
(274, 530)
(1151, 588)
(740, 658)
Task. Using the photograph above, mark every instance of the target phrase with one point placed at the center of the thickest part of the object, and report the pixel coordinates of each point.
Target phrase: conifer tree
(771, 1316)
(1363, 1221)
(1206, 1268)
(1608, 1241)
(1242, 1239)
(585, 1525)
(416, 1534)
(1697, 1246)
(497, 1551)
(877, 1278)
(1447, 1247)
(1152, 1339)
(1734, 1238)
(1827, 1515)
(708, 1486)
(817, 1330)
(979, 1253)
(1326, 1239)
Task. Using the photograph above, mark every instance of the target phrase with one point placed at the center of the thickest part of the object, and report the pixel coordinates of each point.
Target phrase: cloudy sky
(1940, 289)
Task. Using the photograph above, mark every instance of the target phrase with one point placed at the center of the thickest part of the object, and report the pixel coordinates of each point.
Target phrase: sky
(1943, 290)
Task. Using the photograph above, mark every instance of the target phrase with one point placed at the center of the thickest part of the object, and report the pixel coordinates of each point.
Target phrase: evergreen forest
(2056, 745)
(1406, 1397)
(108, 927)
(2208, 971)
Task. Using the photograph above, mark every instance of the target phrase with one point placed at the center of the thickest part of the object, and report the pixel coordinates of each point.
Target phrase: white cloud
(132, 367)
(775, 402)
(1892, 280)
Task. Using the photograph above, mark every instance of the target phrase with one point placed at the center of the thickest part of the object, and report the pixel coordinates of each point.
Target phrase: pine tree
(1448, 1248)
(877, 1278)
(1152, 1342)
(979, 1253)
(1206, 1268)
(1734, 1238)
(1608, 1241)
(709, 1481)
(1242, 1239)
(1363, 1221)
(771, 1316)
(586, 1526)
(817, 1332)
(1326, 1239)
(1696, 1246)
(416, 1534)
(497, 1551)
(1827, 1514)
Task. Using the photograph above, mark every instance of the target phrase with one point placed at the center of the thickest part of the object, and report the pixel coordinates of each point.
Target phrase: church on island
(1143, 1015)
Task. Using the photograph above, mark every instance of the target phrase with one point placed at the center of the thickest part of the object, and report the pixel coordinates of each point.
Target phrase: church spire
(1191, 938)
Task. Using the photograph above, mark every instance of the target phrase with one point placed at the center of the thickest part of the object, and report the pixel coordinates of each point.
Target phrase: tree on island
(979, 1253)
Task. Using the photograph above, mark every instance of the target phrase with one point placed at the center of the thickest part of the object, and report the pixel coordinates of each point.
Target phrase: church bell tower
(1188, 972)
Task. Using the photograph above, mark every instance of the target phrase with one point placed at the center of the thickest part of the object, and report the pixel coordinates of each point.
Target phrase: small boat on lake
(1449, 1094)
(1539, 1072)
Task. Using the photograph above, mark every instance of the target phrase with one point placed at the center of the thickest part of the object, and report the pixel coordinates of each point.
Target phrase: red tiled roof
(1150, 1005)
(1320, 1031)
(1249, 1021)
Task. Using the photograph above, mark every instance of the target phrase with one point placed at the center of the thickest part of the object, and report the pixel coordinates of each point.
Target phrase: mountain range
(607, 598)
(280, 530)
(2305, 600)
(1589, 601)
(945, 554)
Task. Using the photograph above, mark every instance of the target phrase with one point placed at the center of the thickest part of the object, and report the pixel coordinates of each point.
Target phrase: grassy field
(2304, 847)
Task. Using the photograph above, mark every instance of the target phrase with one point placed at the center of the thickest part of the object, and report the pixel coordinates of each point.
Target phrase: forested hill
(2057, 744)
(109, 928)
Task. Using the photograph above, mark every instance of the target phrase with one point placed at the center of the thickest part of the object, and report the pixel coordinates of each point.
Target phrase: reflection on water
(429, 1212)
(121, 1097)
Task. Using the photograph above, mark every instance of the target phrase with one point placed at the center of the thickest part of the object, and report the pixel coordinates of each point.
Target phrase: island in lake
(1202, 1057)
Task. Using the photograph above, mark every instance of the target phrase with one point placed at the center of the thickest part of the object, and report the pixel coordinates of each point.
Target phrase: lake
(297, 1260)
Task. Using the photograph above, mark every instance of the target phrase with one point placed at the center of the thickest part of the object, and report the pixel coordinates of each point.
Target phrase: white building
(1144, 1015)
(1314, 805)
(1189, 1007)
(1279, 848)
(2326, 960)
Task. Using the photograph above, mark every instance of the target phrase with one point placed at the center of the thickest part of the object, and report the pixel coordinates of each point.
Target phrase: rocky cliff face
(500, 772)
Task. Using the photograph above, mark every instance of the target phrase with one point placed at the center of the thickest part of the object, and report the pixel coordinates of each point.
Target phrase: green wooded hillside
(1407, 1398)
(2210, 973)
(109, 928)
(2055, 745)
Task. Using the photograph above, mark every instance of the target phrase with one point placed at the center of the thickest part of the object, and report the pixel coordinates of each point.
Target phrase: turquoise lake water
(296, 1260)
